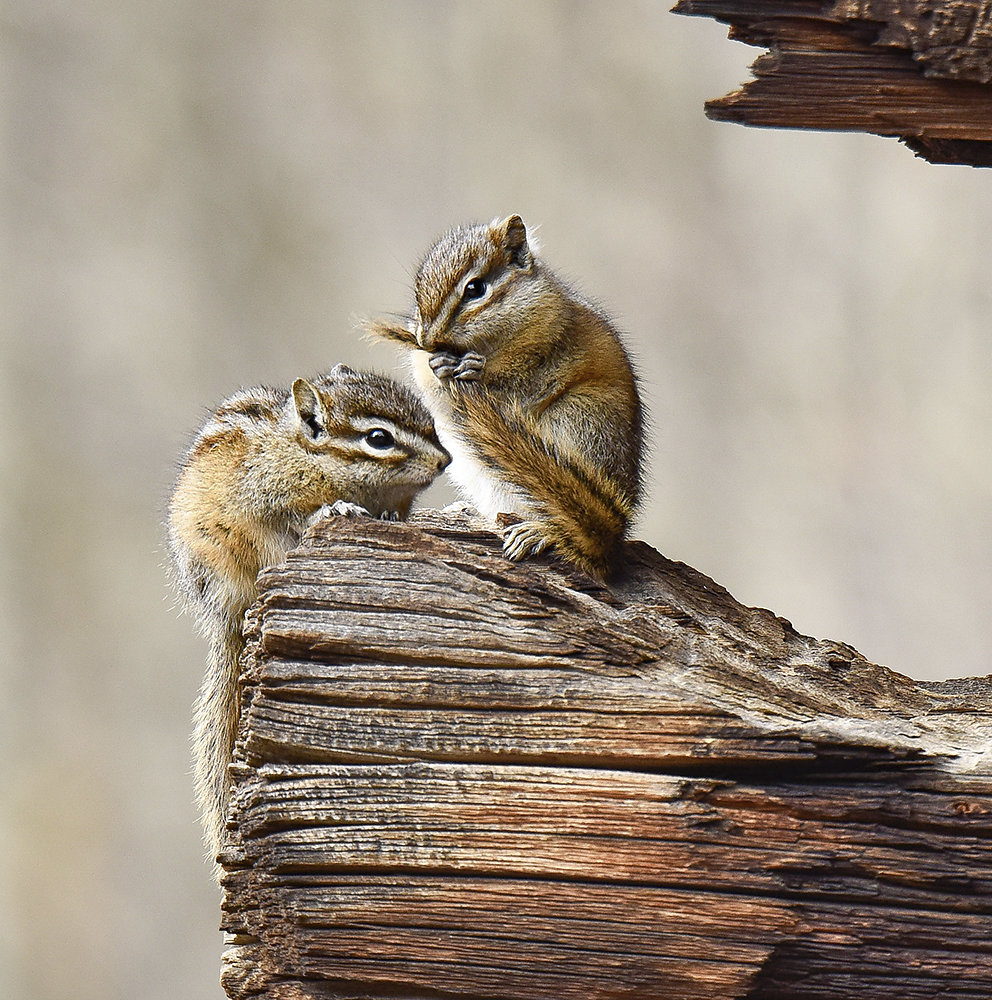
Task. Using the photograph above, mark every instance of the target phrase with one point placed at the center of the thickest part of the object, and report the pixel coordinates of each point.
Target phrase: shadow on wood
(460, 777)
(917, 69)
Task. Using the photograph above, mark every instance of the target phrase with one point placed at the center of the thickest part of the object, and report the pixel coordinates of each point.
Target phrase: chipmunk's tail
(215, 718)
(583, 511)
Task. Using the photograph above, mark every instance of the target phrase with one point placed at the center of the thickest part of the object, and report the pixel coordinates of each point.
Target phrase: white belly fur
(476, 483)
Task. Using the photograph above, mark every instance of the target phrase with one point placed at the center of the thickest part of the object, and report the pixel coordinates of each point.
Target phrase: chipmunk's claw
(525, 538)
(345, 508)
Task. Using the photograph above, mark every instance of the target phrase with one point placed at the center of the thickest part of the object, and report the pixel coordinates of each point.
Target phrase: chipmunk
(531, 391)
(263, 467)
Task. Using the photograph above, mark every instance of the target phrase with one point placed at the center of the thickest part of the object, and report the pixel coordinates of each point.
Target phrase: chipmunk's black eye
(475, 289)
(379, 438)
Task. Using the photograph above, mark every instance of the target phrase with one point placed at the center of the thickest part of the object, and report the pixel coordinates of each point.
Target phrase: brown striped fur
(582, 510)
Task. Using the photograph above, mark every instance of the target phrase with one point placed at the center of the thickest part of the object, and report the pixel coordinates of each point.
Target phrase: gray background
(199, 195)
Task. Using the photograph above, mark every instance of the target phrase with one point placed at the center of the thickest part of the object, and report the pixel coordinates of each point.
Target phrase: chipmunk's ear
(341, 371)
(398, 334)
(310, 409)
(512, 234)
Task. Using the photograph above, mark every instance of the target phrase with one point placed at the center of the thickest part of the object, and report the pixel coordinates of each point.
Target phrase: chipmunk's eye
(475, 289)
(379, 438)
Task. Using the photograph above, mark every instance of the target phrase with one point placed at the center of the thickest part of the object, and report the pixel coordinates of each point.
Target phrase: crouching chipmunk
(263, 466)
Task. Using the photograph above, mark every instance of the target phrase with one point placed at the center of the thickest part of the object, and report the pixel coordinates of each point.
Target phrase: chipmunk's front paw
(525, 538)
(390, 515)
(345, 508)
(461, 368)
(460, 507)
(444, 364)
(469, 368)
(339, 507)
(320, 514)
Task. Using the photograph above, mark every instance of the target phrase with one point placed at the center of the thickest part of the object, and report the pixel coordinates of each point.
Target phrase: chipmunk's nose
(444, 461)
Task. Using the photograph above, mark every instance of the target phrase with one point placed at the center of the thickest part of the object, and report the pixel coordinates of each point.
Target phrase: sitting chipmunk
(531, 391)
(263, 467)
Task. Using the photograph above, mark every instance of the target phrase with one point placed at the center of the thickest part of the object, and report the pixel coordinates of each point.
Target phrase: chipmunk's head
(469, 284)
(369, 430)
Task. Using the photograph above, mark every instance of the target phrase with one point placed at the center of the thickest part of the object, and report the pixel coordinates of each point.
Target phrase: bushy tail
(215, 717)
(583, 511)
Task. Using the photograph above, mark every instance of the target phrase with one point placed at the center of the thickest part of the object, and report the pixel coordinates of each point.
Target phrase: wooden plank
(458, 777)
(513, 940)
(879, 844)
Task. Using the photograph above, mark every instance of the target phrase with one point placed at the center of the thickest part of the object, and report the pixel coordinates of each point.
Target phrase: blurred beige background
(198, 195)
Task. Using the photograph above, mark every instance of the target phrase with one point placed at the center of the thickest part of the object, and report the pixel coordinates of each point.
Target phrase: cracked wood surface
(459, 777)
(917, 69)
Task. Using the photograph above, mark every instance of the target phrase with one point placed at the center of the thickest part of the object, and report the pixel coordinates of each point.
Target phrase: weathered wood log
(917, 69)
(462, 777)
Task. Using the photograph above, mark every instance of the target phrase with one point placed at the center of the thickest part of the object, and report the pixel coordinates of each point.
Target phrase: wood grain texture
(459, 777)
(917, 69)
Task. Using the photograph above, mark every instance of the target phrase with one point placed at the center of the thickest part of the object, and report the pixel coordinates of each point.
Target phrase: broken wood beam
(917, 69)
(462, 777)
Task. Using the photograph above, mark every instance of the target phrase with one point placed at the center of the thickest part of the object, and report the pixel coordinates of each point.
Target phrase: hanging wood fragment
(919, 70)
